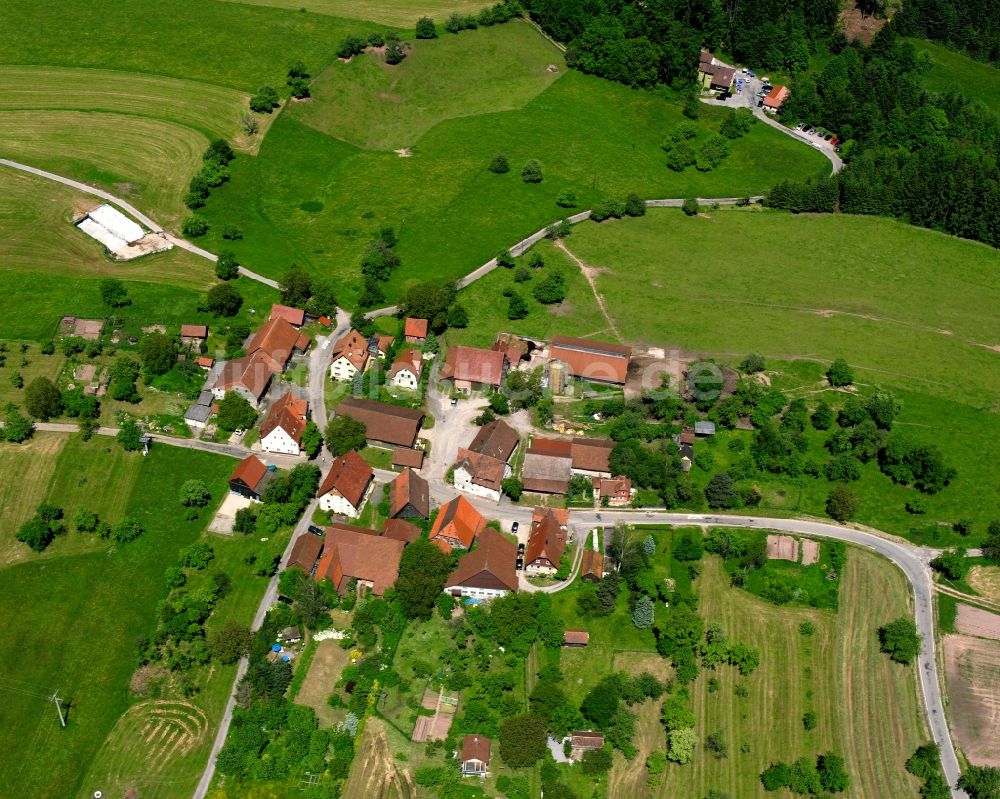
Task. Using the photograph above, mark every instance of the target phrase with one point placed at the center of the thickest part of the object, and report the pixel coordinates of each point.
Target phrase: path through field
(589, 272)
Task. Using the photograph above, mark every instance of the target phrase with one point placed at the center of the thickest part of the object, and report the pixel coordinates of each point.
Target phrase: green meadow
(401, 13)
(951, 71)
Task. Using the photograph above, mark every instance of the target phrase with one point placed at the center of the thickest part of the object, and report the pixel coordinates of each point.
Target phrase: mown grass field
(400, 13)
(951, 71)
(451, 214)
(74, 619)
(867, 708)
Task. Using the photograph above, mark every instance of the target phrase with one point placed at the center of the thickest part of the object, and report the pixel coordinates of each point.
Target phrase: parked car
(760, 103)
(725, 95)
(828, 136)
(316, 530)
(519, 565)
(809, 131)
(799, 126)
(514, 526)
(520, 549)
(751, 73)
(454, 402)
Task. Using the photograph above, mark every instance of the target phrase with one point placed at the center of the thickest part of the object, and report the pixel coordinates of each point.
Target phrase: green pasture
(400, 13)
(951, 71)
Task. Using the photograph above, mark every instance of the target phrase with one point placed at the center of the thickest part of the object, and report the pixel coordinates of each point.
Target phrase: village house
(775, 98)
(472, 369)
(479, 475)
(346, 485)
(415, 330)
(193, 336)
(249, 376)
(409, 496)
(401, 530)
(404, 458)
(305, 552)
(349, 356)
(457, 525)
(385, 425)
(250, 478)
(547, 540)
(592, 566)
(496, 440)
(296, 317)
(349, 554)
(592, 360)
(616, 490)
(487, 571)
(406, 370)
(585, 741)
(204, 362)
(284, 424)
(475, 756)
(200, 411)
(278, 341)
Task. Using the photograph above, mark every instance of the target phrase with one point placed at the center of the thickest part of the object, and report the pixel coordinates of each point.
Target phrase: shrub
(426, 28)
(194, 226)
(690, 206)
(634, 205)
(532, 172)
(840, 373)
(551, 289)
(499, 164)
(566, 199)
(841, 504)
(517, 308)
(900, 640)
(265, 101)
(809, 720)
(232, 232)
(351, 46)
(642, 616)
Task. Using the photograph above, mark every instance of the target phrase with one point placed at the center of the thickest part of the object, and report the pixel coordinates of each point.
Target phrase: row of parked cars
(819, 133)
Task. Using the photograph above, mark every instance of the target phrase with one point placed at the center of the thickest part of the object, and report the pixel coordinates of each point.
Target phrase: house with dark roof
(488, 571)
(592, 566)
(592, 360)
(385, 425)
(415, 330)
(401, 530)
(284, 424)
(480, 475)
(471, 368)
(496, 439)
(250, 478)
(349, 554)
(457, 525)
(346, 486)
(721, 77)
(306, 552)
(591, 457)
(475, 756)
(409, 496)
(296, 317)
(405, 458)
(545, 473)
(547, 540)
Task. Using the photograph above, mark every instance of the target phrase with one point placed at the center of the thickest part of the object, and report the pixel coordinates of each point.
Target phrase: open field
(985, 580)
(867, 707)
(434, 83)
(74, 627)
(317, 201)
(977, 622)
(972, 668)
(400, 13)
(324, 671)
(220, 43)
(952, 71)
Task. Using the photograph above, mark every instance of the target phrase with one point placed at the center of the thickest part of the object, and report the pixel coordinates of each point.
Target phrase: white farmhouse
(283, 427)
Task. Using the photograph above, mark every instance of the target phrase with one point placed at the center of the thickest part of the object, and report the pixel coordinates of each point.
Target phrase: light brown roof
(194, 331)
(593, 360)
(476, 747)
(407, 359)
(404, 456)
(687, 436)
(288, 413)
(351, 528)
(591, 454)
(401, 530)
(351, 343)
(204, 361)
(722, 76)
(489, 565)
(277, 339)
(294, 316)
(351, 554)
(415, 327)
(251, 372)
(390, 424)
(592, 565)
(496, 439)
(577, 637)
(587, 739)
(251, 471)
(484, 470)
(548, 537)
(409, 488)
(546, 474)
(777, 96)
(473, 365)
(457, 519)
(608, 486)
(349, 476)
(306, 551)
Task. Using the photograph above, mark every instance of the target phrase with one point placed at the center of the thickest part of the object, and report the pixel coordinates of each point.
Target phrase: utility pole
(55, 699)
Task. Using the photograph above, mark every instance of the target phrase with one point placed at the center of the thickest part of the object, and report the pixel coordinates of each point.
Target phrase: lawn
(314, 200)
(75, 618)
(401, 13)
(951, 71)
(867, 707)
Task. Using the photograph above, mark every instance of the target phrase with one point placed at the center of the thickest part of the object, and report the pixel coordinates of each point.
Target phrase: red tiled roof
(409, 488)
(251, 372)
(484, 470)
(351, 528)
(350, 554)
(415, 327)
(591, 454)
(294, 316)
(288, 413)
(546, 474)
(496, 439)
(251, 470)
(613, 486)
(401, 530)
(204, 362)
(459, 520)
(306, 551)
(777, 96)
(576, 637)
(547, 540)
(587, 739)
(476, 747)
(277, 339)
(194, 331)
(407, 359)
(473, 365)
(390, 424)
(592, 360)
(592, 565)
(551, 447)
(349, 476)
(404, 456)
(490, 565)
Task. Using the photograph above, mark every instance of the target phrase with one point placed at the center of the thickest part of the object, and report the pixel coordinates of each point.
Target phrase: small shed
(576, 638)
(291, 635)
(702, 429)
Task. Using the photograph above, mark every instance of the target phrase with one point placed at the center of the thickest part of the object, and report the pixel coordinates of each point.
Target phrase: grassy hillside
(401, 13)
(594, 137)
(954, 72)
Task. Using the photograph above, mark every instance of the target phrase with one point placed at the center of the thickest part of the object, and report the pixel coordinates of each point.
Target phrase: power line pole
(55, 699)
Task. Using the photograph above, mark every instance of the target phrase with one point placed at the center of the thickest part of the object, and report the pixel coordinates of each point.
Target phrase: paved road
(136, 213)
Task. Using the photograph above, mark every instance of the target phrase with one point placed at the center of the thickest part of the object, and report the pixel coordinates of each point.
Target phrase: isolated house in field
(480, 475)
(586, 740)
(457, 525)
(296, 317)
(617, 490)
(401, 530)
(592, 360)
(547, 540)
(592, 566)
(406, 370)
(576, 638)
(487, 571)
(470, 368)
(775, 98)
(409, 496)
(386, 425)
(283, 427)
(111, 228)
(250, 478)
(193, 336)
(277, 341)
(415, 330)
(346, 485)
(349, 356)
(475, 756)
(349, 554)
(249, 376)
